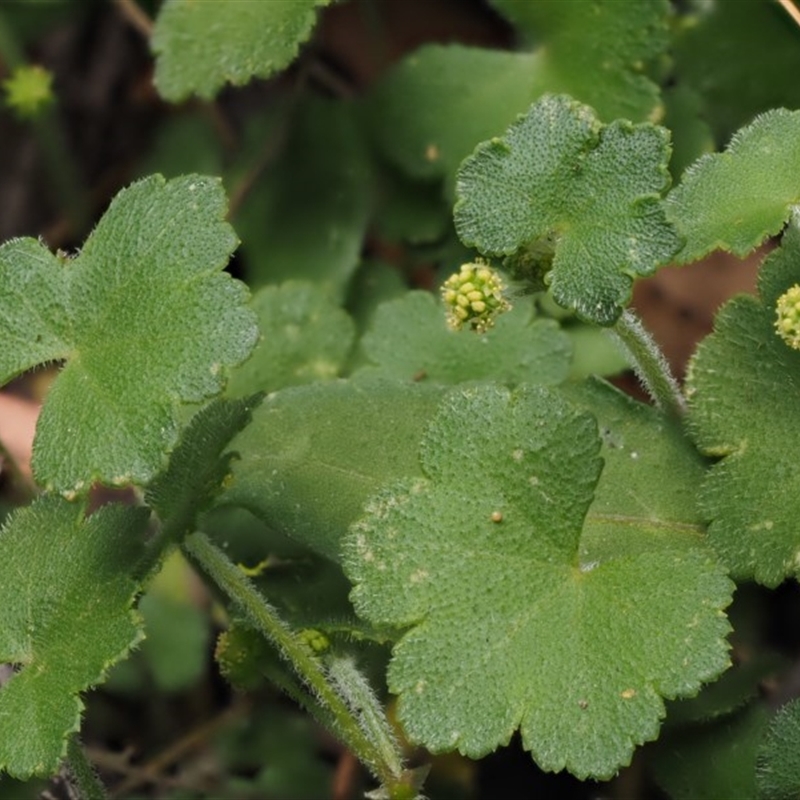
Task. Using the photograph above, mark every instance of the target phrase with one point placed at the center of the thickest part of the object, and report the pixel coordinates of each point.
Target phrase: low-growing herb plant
(424, 517)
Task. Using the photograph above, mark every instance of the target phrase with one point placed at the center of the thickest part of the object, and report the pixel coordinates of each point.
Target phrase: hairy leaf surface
(66, 597)
(558, 173)
(144, 318)
(744, 391)
(515, 621)
(200, 46)
(735, 200)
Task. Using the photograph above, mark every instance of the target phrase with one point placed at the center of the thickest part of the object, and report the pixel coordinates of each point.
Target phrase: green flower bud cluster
(474, 296)
(788, 322)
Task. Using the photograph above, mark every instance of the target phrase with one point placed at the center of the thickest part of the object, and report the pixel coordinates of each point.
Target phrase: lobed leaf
(744, 389)
(410, 340)
(144, 318)
(514, 622)
(66, 597)
(201, 46)
(558, 173)
(734, 200)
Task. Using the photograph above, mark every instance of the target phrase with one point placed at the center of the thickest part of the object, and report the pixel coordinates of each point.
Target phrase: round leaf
(509, 626)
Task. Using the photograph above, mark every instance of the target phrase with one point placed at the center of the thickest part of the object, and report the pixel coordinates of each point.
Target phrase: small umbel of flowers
(788, 312)
(474, 296)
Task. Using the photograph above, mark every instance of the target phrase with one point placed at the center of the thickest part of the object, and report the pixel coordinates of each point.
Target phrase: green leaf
(145, 319)
(778, 770)
(66, 597)
(743, 386)
(201, 46)
(306, 218)
(741, 57)
(410, 340)
(305, 337)
(510, 624)
(198, 470)
(596, 189)
(434, 107)
(734, 200)
(314, 454)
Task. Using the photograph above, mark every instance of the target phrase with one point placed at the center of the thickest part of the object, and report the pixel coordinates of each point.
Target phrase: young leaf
(66, 597)
(201, 46)
(559, 172)
(200, 463)
(509, 625)
(744, 391)
(144, 317)
(314, 454)
(410, 340)
(305, 337)
(734, 200)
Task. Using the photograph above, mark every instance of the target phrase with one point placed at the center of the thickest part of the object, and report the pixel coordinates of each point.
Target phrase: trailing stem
(371, 742)
(649, 363)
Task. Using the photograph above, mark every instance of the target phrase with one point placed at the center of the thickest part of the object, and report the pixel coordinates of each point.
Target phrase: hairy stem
(360, 696)
(238, 587)
(649, 364)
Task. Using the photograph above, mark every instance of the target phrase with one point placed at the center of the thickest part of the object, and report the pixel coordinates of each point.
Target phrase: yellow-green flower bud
(29, 90)
(788, 312)
(474, 295)
(315, 639)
